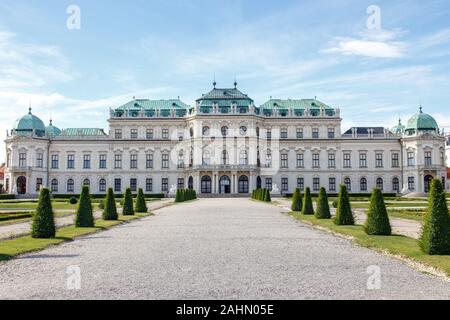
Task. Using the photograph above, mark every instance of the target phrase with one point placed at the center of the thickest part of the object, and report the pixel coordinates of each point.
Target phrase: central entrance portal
(225, 185)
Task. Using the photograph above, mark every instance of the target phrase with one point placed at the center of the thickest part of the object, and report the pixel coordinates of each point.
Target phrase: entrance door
(427, 183)
(225, 185)
(21, 185)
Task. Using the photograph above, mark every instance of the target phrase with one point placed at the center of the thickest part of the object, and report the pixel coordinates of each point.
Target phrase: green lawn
(397, 245)
(411, 214)
(11, 248)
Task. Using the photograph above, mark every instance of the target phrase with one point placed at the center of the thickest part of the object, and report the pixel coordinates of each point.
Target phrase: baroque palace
(224, 144)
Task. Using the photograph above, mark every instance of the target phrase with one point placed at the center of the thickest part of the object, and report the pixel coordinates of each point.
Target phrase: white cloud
(373, 44)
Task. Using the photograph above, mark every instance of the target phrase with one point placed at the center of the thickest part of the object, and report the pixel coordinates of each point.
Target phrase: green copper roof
(51, 130)
(295, 104)
(138, 104)
(29, 123)
(82, 132)
(225, 94)
(422, 121)
(399, 129)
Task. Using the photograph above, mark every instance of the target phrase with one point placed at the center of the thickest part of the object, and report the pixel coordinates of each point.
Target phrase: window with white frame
(117, 161)
(363, 160)
(133, 161)
(284, 161)
(331, 160)
(22, 160)
(347, 160)
(149, 161)
(39, 160)
(316, 160)
(395, 160)
(165, 161)
(300, 160)
(379, 160)
(243, 158)
(102, 161)
(332, 184)
(316, 184)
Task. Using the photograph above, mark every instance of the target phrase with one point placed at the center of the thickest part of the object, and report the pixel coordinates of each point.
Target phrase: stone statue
(173, 190)
(275, 190)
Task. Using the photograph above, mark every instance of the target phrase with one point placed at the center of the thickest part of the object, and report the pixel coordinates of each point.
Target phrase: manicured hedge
(102, 196)
(7, 196)
(351, 195)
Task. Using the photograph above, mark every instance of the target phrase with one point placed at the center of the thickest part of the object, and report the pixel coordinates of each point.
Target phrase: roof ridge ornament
(421, 109)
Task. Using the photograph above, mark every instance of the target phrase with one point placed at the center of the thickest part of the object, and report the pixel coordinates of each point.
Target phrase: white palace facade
(224, 144)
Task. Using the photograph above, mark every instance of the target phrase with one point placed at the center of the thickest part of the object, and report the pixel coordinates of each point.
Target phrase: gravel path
(8, 231)
(405, 227)
(214, 249)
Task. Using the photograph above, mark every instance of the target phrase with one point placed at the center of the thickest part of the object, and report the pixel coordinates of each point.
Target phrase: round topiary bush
(73, 200)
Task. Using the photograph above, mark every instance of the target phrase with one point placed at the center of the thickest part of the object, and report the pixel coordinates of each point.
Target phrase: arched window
(181, 159)
(396, 185)
(243, 184)
(363, 184)
(191, 132)
(206, 184)
(86, 182)
(206, 158)
(191, 183)
(380, 184)
(206, 131)
(70, 185)
(102, 185)
(225, 157)
(243, 158)
(54, 185)
(224, 131)
(348, 184)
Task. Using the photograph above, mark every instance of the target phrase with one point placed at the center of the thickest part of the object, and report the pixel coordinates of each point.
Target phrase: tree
(43, 226)
(267, 197)
(323, 207)
(128, 209)
(84, 217)
(308, 208)
(141, 205)
(435, 237)
(297, 202)
(344, 215)
(377, 223)
(110, 211)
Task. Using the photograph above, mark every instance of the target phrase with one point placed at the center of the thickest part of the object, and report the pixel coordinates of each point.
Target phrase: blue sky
(164, 49)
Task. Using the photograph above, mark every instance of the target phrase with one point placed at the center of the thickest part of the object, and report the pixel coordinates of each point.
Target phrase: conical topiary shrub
(178, 196)
(141, 205)
(253, 194)
(128, 209)
(297, 202)
(308, 208)
(435, 237)
(43, 226)
(323, 207)
(267, 197)
(344, 215)
(84, 217)
(195, 194)
(110, 211)
(377, 223)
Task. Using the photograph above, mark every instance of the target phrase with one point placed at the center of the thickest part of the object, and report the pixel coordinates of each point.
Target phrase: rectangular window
(428, 161)
(149, 161)
(379, 160)
(284, 185)
(300, 160)
(269, 184)
(118, 134)
(331, 160)
(347, 160)
(316, 160)
(299, 133)
(40, 160)
(133, 184)
(22, 160)
(363, 160)
(149, 185)
(38, 184)
(7, 185)
(117, 185)
(8, 159)
(269, 159)
(284, 133)
(165, 184)
(133, 161)
(301, 184)
(102, 161)
(330, 133)
(269, 134)
(315, 133)
(332, 184)
(284, 160)
(395, 160)
(71, 161)
(55, 161)
(86, 161)
(165, 161)
(134, 134)
(165, 134)
(411, 184)
(411, 159)
(180, 183)
(117, 161)
(149, 134)
(316, 184)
